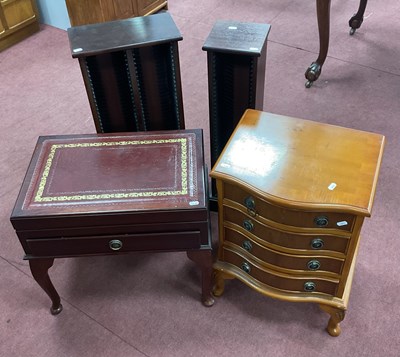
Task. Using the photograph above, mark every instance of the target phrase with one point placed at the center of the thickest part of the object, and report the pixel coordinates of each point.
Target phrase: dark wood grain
(236, 57)
(131, 72)
(119, 35)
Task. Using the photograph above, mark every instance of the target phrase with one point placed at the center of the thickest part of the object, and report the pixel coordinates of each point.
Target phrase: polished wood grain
(292, 198)
(293, 162)
(18, 20)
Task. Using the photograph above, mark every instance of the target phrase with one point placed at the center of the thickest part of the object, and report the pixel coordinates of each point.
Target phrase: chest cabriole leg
(337, 315)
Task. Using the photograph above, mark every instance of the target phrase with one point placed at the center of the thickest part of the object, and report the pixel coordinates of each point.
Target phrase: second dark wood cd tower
(236, 56)
(131, 73)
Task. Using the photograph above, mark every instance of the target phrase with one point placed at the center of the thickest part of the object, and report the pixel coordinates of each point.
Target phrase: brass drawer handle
(313, 265)
(115, 244)
(246, 267)
(248, 225)
(247, 245)
(309, 286)
(321, 221)
(250, 203)
(317, 243)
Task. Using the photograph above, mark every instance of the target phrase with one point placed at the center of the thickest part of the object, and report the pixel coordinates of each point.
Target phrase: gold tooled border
(183, 141)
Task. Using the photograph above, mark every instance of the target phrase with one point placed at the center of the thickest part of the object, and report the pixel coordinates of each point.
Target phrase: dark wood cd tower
(236, 56)
(131, 73)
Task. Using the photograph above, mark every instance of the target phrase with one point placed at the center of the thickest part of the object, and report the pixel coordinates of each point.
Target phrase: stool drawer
(113, 244)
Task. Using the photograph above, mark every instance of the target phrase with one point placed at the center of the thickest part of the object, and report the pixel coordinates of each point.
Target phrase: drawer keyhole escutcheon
(246, 267)
(313, 265)
(248, 225)
(115, 244)
(321, 221)
(317, 243)
(247, 245)
(309, 286)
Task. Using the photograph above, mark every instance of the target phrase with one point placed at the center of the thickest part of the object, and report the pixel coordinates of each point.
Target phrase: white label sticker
(75, 50)
(232, 28)
(194, 203)
(253, 48)
(332, 186)
(342, 223)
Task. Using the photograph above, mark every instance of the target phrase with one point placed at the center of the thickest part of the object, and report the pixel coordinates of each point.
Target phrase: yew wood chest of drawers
(292, 198)
(114, 194)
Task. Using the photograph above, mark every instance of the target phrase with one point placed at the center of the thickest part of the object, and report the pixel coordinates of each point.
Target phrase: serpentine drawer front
(310, 239)
(258, 207)
(116, 193)
(292, 198)
(311, 263)
(280, 281)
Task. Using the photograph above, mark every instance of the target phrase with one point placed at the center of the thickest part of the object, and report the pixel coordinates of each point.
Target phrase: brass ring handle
(309, 286)
(247, 245)
(321, 221)
(246, 267)
(248, 225)
(250, 203)
(313, 264)
(115, 244)
(317, 243)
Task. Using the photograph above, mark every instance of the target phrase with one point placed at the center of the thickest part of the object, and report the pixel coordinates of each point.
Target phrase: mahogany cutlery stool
(113, 194)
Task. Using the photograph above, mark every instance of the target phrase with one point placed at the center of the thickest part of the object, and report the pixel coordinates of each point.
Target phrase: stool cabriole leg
(203, 258)
(39, 269)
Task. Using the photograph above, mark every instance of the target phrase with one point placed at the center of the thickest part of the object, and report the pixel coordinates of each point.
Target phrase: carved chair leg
(39, 269)
(323, 15)
(337, 315)
(358, 18)
(204, 259)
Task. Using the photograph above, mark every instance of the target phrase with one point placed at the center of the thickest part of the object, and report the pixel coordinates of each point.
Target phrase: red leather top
(114, 172)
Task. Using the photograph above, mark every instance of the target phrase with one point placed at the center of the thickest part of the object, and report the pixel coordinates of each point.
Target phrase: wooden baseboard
(17, 36)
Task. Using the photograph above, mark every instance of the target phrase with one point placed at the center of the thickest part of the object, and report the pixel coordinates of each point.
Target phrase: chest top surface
(94, 39)
(130, 172)
(303, 163)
